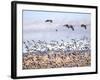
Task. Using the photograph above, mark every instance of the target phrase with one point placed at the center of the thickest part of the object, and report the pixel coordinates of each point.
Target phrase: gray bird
(49, 20)
(84, 26)
(69, 26)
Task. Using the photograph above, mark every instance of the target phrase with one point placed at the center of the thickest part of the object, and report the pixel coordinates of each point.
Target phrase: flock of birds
(44, 47)
(67, 25)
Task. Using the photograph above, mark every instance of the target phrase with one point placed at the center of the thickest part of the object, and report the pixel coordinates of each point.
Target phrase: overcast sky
(35, 27)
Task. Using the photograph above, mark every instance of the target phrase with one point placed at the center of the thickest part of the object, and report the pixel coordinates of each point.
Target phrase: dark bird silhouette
(66, 25)
(48, 20)
(84, 26)
(69, 26)
(56, 29)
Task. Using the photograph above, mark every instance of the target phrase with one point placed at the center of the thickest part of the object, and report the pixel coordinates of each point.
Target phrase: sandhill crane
(84, 26)
(69, 26)
(49, 20)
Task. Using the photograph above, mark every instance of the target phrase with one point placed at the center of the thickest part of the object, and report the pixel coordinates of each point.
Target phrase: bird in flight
(84, 26)
(49, 20)
(69, 26)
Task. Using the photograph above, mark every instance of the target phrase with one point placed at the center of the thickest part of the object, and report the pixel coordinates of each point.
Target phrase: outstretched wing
(72, 27)
(84, 26)
(48, 20)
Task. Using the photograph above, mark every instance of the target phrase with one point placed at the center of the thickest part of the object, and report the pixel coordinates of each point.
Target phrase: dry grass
(56, 60)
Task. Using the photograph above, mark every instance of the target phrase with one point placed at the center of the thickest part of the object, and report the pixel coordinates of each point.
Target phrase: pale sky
(35, 27)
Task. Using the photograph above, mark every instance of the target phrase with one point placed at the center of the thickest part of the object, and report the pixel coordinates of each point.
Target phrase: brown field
(56, 60)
